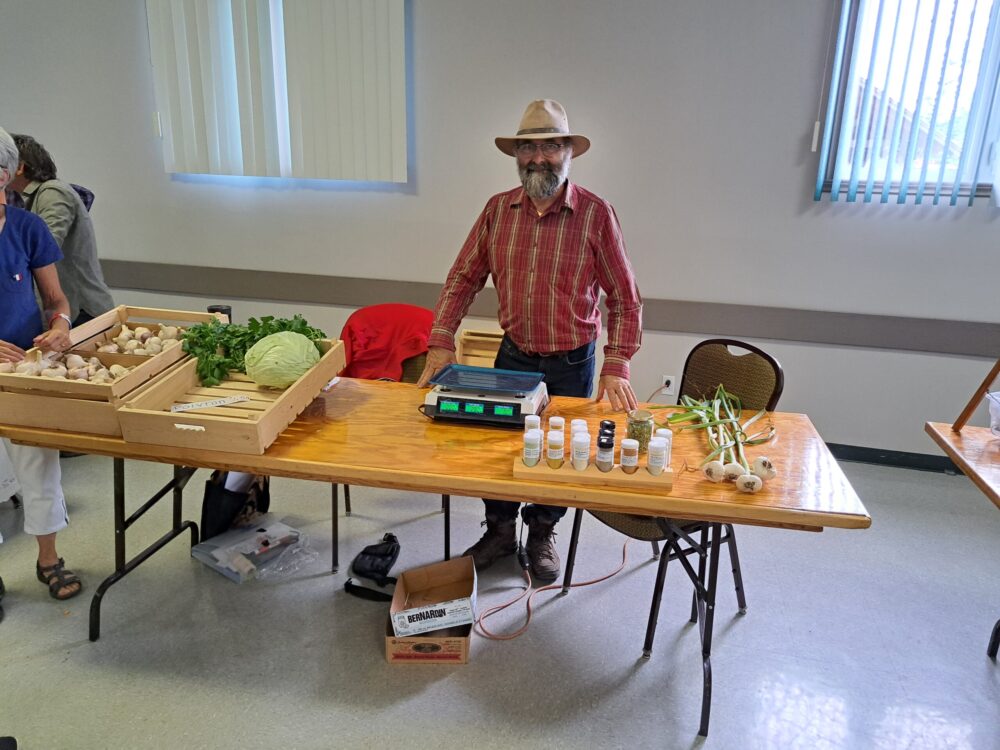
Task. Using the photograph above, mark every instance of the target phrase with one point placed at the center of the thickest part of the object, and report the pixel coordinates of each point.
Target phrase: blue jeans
(566, 374)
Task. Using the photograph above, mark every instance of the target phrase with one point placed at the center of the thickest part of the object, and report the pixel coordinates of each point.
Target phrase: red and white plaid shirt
(548, 271)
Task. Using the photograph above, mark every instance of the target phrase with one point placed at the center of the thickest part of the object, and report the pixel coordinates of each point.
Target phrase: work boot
(499, 540)
(541, 549)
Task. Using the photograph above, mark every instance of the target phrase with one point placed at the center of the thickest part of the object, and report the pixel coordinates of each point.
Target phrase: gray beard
(543, 183)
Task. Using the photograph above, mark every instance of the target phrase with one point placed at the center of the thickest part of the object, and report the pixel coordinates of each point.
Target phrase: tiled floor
(853, 639)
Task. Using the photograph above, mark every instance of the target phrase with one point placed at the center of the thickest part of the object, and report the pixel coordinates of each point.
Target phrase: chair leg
(994, 646)
(347, 499)
(701, 573)
(571, 557)
(654, 609)
(656, 549)
(734, 558)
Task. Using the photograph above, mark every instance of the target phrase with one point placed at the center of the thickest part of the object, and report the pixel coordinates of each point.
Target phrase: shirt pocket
(14, 277)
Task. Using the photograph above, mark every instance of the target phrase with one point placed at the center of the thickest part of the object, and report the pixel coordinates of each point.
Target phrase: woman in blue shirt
(28, 254)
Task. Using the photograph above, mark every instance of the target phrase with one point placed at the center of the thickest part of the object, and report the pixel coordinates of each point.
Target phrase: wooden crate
(478, 348)
(242, 427)
(80, 406)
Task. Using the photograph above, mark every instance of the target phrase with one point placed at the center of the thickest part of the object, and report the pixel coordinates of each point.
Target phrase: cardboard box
(447, 646)
(431, 614)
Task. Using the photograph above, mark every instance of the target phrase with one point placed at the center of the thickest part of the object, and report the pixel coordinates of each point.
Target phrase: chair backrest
(755, 376)
(379, 339)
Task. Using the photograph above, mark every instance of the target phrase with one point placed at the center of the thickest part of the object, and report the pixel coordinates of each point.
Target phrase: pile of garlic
(64, 367)
(141, 341)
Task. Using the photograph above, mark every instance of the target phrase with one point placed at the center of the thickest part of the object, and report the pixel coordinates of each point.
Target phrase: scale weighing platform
(484, 395)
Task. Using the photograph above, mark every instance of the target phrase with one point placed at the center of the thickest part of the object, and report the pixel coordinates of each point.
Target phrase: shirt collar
(30, 189)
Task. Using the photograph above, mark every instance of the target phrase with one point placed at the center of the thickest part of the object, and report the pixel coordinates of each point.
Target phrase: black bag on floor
(371, 567)
(222, 509)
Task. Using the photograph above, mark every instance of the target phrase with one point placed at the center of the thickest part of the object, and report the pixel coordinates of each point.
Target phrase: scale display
(457, 407)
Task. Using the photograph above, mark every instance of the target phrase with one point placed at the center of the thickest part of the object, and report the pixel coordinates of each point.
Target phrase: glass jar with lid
(640, 427)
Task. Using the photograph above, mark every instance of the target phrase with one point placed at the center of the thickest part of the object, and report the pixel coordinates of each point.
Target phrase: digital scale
(484, 395)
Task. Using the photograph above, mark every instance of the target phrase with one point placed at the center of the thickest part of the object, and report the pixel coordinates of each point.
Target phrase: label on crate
(209, 404)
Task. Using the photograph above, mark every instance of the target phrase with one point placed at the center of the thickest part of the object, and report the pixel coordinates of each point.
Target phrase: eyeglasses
(530, 147)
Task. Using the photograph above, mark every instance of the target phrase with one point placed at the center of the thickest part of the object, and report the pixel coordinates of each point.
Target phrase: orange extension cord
(487, 633)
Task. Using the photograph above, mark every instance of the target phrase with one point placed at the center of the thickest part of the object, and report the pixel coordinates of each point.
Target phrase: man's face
(543, 166)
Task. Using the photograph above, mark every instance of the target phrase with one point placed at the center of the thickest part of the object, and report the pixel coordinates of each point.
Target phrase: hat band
(526, 131)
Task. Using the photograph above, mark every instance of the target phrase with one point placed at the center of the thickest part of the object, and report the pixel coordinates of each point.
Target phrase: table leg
(991, 650)
(123, 567)
(335, 529)
(446, 509)
(707, 623)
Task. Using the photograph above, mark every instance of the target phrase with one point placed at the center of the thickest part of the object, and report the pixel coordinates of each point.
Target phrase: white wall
(701, 116)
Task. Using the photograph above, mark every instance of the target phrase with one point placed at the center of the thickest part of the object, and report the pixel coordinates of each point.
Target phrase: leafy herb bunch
(221, 347)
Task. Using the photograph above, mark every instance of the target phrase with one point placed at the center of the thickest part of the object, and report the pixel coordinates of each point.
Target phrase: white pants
(40, 476)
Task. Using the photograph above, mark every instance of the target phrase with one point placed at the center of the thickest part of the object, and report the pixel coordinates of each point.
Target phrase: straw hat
(544, 119)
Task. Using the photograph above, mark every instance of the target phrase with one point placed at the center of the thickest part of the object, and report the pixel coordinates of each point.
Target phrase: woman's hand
(55, 339)
(10, 353)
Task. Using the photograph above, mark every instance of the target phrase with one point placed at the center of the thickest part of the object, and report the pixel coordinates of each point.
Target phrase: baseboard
(901, 459)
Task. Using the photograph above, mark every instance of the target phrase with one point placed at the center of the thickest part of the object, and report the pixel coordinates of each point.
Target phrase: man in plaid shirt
(551, 248)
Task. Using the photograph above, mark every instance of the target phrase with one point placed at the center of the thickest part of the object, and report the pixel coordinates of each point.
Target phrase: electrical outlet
(668, 387)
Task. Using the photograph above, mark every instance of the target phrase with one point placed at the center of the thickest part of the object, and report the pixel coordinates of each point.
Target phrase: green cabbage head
(280, 359)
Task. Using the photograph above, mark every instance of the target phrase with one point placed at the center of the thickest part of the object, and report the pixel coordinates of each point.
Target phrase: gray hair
(9, 157)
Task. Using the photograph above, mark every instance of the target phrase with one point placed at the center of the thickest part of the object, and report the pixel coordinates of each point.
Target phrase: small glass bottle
(580, 447)
(668, 435)
(608, 424)
(655, 457)
(557, 423)
(532, 422)
(532, 447)
(640, 427)
(605, 453)
(630, 455)
(554, 448)
(578, 425)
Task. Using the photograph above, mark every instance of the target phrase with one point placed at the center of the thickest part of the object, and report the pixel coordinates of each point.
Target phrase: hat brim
(581, 144)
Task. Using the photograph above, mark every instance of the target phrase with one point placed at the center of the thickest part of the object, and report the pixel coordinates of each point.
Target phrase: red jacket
(378, 338)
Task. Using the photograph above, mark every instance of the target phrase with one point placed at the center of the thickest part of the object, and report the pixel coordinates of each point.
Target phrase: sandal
(56, 577)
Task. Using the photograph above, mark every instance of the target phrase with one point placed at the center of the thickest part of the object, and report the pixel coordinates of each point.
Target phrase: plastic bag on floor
(268, 549)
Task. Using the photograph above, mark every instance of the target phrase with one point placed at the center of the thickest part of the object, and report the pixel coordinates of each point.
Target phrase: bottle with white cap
(578, 425)
(532, 447)
(532, 422)
(655, 455)
(555, 448)
(580, 447)
(667, 434)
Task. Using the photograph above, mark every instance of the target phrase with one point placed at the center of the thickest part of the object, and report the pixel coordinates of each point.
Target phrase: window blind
(306, 88)
(911, 103)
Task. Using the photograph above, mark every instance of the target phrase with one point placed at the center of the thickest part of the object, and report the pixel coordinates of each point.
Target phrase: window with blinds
(274, 88)
(911, 109)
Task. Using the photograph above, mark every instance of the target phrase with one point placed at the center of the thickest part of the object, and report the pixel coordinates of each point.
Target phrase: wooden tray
(478, 348)
(80, 406)
(242, 427)
(616, 478)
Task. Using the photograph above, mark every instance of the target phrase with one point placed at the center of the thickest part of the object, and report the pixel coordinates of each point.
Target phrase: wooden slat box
(241, 427)
(478, 348)
(80, 406)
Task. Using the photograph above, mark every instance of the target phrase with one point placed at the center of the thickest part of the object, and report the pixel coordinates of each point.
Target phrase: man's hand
(619, 391)
(55, 339)
(10, 353)
(437, 359)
